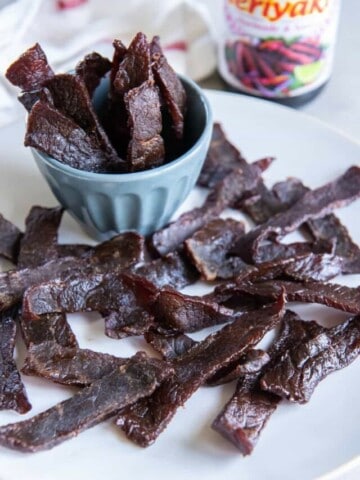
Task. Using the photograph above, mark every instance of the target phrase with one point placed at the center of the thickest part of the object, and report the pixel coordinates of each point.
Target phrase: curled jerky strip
(314, 353)
(145, 420)
(313, 204)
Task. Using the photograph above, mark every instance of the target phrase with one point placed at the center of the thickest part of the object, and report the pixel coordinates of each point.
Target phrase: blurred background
(68, 29)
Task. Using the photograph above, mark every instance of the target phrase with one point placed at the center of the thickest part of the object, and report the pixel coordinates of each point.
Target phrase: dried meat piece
(173, 270)
(225, 194)
(12, 391)
(118, 56)
(245, 415)
(336, 296)
(222, 158)
(314, 204)
(145, 420)
(146, 147)
(186, 313)
(135, 67)
(208, 249)
(39, 243)
(171, 88)
(169, 345)
(10, 237)
(69, 365)
(30, 70)
(52, 328)
(314, 354)
(92, 69)
(51, 132)
(92, 405)
(70, 97)
(129, 296)
(252, 362)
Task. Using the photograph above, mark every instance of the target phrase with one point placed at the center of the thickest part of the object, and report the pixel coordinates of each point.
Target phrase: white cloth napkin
(68, 29)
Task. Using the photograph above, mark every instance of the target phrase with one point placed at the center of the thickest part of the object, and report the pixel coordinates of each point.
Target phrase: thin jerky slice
(92, 69)
(274, 250)
(222, 158)
(118, 56)
(135, 67)
(329, 228)
(30, 70)
(315, 353)
(95, 293)
(336, 296)
(10, 237)
(314, 204)
(71, 98)
(245, 415)
(53, 133)
(171, 89)
(169, 345)
(146, 148)
(145, 420)
(69, 366)
(49, 328)
(92, 405)
(186, 313)
(12, 391)
(123, 251)
(173, 270)
(224, 195)
(252, 362)
(209, 246)
(39, 243)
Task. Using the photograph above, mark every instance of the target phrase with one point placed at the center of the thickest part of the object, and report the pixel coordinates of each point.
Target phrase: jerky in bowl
(121, 143)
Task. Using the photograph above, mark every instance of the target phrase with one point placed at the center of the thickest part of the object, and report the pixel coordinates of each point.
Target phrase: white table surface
(339, 103)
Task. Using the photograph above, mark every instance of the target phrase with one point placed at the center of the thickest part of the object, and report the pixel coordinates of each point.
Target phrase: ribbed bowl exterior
(106, 204)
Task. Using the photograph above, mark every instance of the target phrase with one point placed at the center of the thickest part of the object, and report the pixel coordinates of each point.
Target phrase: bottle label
(278, 48)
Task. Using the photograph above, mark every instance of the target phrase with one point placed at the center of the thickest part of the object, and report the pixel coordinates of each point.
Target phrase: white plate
(300, 442)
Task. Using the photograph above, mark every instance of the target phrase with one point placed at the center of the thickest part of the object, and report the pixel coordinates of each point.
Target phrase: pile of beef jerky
(135, 284)
(141, 125)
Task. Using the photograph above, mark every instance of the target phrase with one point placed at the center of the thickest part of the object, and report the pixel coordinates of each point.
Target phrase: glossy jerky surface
(10, 237)
(144, 421)
(12, 391)
(95, 403)
(314, 353)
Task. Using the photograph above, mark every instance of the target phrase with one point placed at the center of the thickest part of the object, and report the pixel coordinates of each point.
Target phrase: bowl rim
(154, 172)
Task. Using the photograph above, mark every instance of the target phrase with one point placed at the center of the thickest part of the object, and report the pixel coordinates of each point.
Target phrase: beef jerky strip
(146, 147)
(274, 250)
(130, 297)
(51, 132)
(313, 204)
(336, 296)
(208, 249)
(222, 158)
(29, 72)
(92, 405)
(10, 237)
(49, 328)
(170, 86)
(12, 391)
(121, 252)
(39, 243)
(329, 228)
(245, 415)
(69, 365)
(185, 313)
(224, 194)
(92, 69)
(145, 420)
(71, 98)
(118, 56)
(315, 353)
(173, 270)
(172, 345)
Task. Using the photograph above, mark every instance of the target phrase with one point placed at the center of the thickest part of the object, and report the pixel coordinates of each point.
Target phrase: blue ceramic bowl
(106, 204)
